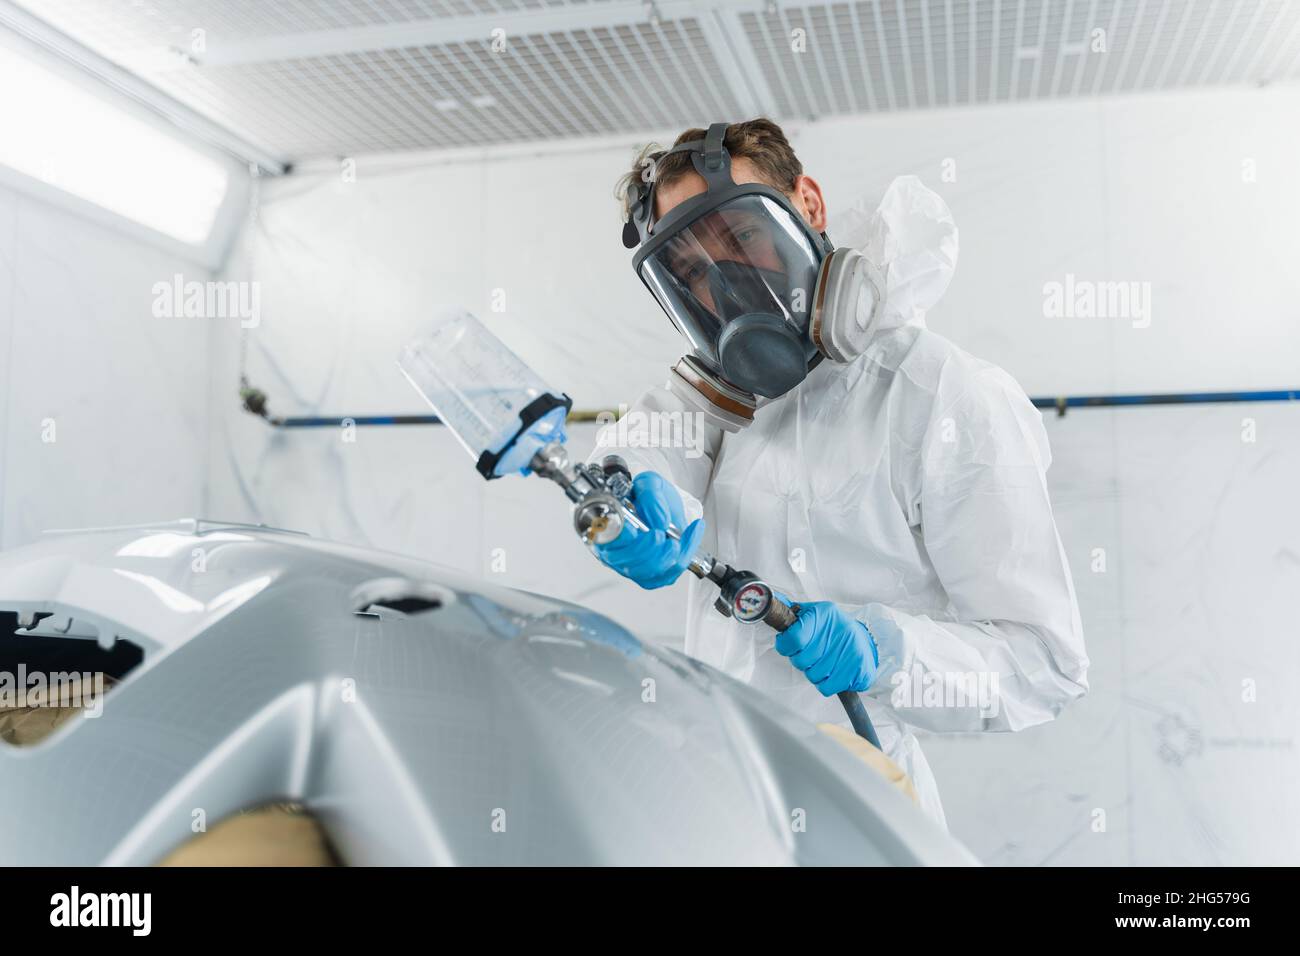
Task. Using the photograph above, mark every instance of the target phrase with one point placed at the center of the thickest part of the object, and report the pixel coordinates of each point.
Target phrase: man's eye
(746, 236)
(695, 273)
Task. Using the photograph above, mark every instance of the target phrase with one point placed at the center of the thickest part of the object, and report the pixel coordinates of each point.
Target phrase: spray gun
(601, 509)
(507, 418)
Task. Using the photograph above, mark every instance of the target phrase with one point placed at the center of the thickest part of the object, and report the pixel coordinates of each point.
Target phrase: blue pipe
(316, 422)
(1169, 398)
(1060, 404)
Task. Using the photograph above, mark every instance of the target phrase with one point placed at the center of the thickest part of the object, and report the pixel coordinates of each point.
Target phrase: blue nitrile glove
(651, 558)
(834, 651)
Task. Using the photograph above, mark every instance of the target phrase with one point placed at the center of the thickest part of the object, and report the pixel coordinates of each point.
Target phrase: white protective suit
(908, 487)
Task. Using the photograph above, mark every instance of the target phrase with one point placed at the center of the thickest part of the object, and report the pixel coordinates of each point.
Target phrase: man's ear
(808, 200)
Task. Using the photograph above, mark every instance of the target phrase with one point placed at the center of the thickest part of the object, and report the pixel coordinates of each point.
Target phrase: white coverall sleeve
(1007, 652)
(659, 433)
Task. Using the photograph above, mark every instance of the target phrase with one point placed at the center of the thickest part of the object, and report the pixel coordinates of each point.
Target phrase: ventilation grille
(312, 78)
(847, 58)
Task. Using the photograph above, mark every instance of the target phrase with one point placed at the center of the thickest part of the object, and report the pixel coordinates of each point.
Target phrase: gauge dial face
(752, 602)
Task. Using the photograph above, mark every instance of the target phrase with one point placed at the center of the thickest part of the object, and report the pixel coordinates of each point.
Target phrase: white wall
(123, 395)
(1191, 615)
(1148, 189)
(1198, 526)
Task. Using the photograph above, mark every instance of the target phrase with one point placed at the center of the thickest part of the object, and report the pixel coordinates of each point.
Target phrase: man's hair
(760, 141)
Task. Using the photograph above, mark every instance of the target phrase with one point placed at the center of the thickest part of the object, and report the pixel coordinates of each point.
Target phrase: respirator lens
(749, 260)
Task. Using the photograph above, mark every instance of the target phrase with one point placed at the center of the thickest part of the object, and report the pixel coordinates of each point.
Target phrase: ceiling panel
(543, 86)
(886, 56)
(313, 78)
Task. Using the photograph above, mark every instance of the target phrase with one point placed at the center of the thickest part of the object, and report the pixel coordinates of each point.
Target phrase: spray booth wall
(103, 407)
(1180, 523)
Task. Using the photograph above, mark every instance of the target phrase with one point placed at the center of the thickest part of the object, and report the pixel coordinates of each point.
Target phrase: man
(889, 483)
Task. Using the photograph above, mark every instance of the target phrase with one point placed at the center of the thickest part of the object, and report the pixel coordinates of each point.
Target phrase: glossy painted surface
(496, 728)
